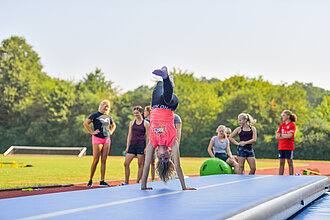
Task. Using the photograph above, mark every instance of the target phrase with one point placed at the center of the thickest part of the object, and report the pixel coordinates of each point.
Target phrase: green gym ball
(214, 166)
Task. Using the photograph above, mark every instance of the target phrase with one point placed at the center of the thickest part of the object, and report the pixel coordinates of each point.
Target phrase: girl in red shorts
(285, 135)
(162, 133)
(103, 127)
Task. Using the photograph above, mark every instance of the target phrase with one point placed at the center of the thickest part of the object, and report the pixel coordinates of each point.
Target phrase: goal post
(32, 150)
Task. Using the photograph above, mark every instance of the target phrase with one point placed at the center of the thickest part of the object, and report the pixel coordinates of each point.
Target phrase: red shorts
(161, 129)
(97, 140)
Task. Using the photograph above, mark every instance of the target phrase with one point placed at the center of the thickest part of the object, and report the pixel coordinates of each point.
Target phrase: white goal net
(28, 150)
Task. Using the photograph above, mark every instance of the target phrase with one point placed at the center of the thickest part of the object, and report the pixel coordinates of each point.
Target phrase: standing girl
(136, 143)
(221, 148)
(103, 127)
(247, 135)
(285, 135)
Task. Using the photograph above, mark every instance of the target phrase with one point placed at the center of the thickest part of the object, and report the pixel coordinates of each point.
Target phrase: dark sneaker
(123, 184)
(103, 183)
(161, 72)
(90, 183)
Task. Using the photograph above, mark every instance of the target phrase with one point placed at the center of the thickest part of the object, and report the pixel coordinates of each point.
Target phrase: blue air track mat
(318, 209)
(217, 197)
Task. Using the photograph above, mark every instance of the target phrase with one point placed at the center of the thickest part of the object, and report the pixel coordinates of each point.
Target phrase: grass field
(66, 170)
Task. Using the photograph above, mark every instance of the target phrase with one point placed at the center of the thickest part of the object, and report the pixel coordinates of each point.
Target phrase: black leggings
(163, 96)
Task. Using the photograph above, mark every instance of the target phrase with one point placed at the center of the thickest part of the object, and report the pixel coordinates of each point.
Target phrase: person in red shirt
(285, 135)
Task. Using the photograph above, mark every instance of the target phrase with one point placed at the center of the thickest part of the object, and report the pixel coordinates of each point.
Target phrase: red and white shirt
(287, 143)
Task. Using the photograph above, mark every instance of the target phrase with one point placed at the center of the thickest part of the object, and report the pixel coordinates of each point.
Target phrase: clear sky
(282, 40)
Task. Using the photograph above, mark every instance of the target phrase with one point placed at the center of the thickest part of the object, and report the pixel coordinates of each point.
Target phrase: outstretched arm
(176, 161)
(149, 152)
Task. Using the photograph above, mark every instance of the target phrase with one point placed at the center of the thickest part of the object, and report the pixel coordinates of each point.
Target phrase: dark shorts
(285, 154)
(222, 156)
(245, 152)
(136, 149)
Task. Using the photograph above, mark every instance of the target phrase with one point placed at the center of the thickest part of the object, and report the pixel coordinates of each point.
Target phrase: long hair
(102, 104)
(292, 116)
(249, 119)
(165, 170)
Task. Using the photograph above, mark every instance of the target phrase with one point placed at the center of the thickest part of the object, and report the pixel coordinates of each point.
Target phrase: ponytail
(249, 119)
(293, 117)
(165, 170)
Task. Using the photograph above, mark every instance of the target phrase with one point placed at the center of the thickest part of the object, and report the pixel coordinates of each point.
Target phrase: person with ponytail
(285, 135)
(162, 133)
(248, 136)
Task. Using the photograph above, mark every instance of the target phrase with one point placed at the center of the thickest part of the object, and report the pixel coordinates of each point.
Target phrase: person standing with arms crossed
(285, 135)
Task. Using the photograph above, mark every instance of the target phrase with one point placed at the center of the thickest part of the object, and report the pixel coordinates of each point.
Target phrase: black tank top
(138, 133)
(246, 136)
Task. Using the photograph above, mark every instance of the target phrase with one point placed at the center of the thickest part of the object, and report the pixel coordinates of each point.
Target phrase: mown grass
(49, 170)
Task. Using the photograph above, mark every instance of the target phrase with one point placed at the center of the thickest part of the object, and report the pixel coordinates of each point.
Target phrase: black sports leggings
(163, 96)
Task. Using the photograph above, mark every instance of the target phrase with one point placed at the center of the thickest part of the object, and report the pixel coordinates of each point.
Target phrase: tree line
(38, 110)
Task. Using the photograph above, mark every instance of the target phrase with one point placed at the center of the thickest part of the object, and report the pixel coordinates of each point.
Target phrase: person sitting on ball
(221, 148)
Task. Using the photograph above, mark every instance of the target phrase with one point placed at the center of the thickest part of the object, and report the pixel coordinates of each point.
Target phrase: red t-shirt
(286, 144)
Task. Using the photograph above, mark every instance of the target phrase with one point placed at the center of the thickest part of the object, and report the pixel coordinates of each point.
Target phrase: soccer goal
(28, 150)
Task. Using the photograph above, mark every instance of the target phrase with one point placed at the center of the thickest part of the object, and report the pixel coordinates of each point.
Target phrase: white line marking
(68, 211)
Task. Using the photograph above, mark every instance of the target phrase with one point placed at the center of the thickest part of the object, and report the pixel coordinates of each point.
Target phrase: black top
(138, 134)
(101, 122)
(246, 136)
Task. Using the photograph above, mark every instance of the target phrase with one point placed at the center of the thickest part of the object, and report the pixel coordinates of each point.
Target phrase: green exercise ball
(214, 166)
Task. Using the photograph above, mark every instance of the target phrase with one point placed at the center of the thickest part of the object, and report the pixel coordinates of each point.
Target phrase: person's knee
(230, 161)
(96, 160)
(126, 164)
(290, 162)
(104, 161)
(140, 164)
(282, 162)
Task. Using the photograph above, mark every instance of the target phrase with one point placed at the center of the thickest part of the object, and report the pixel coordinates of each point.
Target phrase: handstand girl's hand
(146, 188)
(189, 188)
(96, 132)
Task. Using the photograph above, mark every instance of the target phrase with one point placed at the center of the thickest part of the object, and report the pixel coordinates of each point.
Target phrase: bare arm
(178, 128)
(229, 151)
(232, 135)
(149, 152)
(209, 149)
(278, 136)
(129, 135)
(176, 161)
(87, 122)
(146, 125)
(112, 128)
(283, 136)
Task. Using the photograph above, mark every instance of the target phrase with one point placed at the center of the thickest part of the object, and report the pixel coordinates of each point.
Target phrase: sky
(281, 40)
